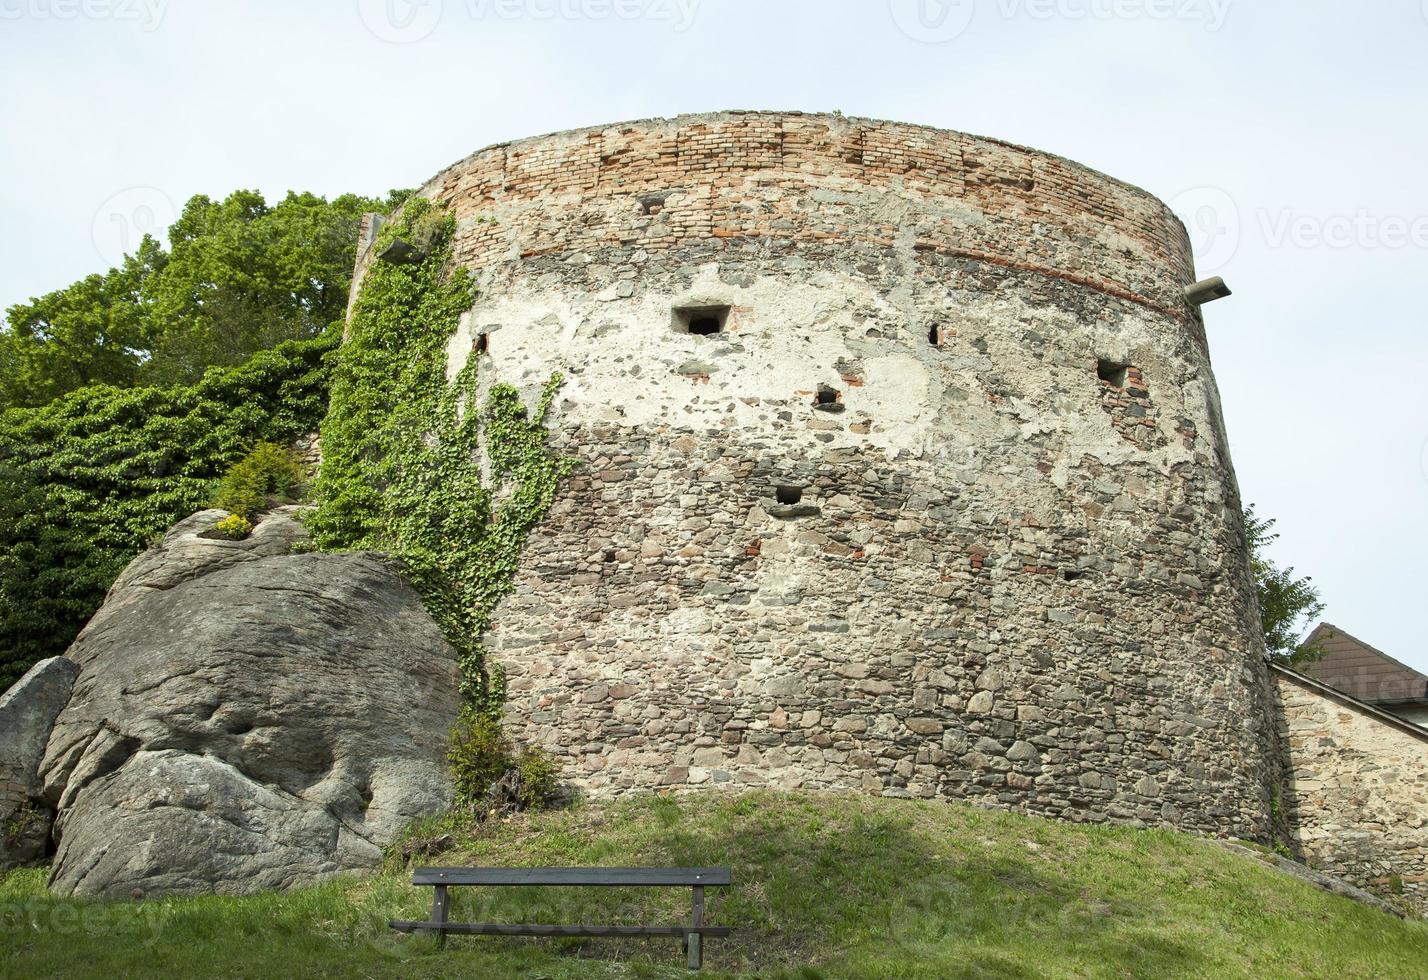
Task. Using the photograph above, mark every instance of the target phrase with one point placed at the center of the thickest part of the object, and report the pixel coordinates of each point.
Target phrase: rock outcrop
(27, 715)
(246, 718)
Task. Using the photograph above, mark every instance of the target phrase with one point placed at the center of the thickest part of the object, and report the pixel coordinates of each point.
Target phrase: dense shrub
(268, 476)
(92, 477)
(488, 774)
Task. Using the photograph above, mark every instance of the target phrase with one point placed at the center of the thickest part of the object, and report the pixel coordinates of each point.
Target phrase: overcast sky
(1291, 134)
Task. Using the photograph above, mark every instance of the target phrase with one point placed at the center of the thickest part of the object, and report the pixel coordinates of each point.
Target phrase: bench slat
(506, 929)
(572, 876)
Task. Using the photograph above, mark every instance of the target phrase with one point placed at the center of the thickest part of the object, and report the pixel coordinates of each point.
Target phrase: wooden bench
(693, 935)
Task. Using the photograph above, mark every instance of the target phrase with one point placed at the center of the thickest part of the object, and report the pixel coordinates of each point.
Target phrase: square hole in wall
(828, 399)
(702, 321)
(1112, 373)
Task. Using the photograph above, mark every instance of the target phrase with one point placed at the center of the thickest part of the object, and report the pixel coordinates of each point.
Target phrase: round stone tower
(901, 470)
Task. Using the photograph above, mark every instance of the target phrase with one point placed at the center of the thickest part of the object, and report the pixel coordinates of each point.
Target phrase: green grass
(824, 887)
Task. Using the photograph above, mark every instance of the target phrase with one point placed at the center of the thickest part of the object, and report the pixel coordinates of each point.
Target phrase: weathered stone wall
(1006, 579)
(1356, 796)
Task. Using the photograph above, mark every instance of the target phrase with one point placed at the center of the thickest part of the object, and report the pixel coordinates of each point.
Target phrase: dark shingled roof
(1352, 666)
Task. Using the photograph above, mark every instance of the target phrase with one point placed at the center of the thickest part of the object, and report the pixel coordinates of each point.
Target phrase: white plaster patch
(624, 362)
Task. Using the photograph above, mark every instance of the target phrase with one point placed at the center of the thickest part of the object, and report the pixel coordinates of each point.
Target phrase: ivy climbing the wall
(400, 468)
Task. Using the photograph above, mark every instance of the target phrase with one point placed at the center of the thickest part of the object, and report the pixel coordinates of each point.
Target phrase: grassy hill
(824, 887)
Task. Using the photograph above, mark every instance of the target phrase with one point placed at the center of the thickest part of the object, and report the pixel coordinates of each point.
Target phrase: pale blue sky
(1291, 132)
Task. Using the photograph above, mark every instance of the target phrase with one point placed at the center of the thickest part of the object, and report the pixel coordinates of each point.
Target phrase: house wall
(1356, 792)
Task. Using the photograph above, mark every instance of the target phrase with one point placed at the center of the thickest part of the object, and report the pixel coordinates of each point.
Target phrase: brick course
(754, 175)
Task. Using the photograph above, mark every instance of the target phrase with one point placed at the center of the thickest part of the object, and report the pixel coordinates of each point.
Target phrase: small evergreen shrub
(490, 776)
(234, 527)
(268, 476)
(540, 779)
(428, 229)
(479, 755)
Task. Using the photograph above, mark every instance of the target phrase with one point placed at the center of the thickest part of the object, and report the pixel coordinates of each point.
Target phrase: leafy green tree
(238, 276)
(91, 332)
(1287, 605)
(242, 277)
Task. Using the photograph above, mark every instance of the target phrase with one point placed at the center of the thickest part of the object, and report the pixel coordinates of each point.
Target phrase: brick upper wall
(815, 180)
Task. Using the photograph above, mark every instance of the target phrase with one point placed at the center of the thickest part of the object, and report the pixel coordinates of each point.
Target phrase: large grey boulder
(247, 718)
(27, 715)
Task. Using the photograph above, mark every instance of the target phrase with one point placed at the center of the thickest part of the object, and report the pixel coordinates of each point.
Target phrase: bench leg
(694, 943)
(439, 912)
